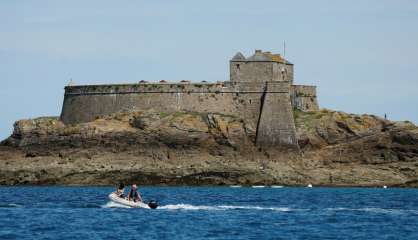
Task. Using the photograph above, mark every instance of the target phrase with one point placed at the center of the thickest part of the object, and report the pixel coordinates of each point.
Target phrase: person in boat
(120, 190)
(134, 195)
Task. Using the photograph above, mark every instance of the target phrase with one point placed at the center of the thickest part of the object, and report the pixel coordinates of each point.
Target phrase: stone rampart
(85, 103)
(276, 124)
(304, 98)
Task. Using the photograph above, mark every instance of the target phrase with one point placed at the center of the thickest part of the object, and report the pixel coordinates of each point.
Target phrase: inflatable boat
(150, 205)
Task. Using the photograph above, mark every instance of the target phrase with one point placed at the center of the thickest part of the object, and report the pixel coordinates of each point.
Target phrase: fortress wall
(304, 98)
(289, 69)
(248, 107)
(248, 99)
(259, 92)
(265, 107)
(84, 108)
(86, 103)
(241, 71)
(278, 75)
(276, 125)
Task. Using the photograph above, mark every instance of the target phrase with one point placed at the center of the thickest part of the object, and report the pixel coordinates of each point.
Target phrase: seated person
(134, 195)
(120, 190)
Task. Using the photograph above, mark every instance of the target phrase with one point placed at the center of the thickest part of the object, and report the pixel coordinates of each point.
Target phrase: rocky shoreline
(189, 148)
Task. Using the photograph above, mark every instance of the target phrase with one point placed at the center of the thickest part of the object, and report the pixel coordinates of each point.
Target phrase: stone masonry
(260, 91)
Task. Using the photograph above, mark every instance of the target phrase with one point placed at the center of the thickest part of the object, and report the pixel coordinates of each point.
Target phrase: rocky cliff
(336, 148)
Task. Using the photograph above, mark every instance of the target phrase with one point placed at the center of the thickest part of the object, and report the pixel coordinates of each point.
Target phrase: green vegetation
(296, 115)
(227, 115)
(303, 95)
(49, 121)
(163, 114)
(51, 118)
(199, 114)
(308, 119)
(192, 113)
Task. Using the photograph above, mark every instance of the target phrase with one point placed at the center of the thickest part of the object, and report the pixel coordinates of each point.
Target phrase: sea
(234, 212)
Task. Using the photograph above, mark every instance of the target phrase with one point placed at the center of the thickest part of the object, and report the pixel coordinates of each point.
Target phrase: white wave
(389, 210)
(9, 205)
(220, 207)
(380, 210)
(186, 207)
(377, 210)
(281, 209)
(258, 186)
(235, 186)
(276, 186)
(114, 205)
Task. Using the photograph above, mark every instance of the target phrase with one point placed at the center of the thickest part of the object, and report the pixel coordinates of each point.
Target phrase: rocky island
(256, 129)
(336, 149)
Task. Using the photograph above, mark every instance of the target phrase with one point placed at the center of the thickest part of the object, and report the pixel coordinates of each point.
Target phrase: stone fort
(260, 91)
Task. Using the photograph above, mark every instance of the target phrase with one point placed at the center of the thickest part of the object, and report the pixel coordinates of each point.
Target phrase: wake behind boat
(139, 204)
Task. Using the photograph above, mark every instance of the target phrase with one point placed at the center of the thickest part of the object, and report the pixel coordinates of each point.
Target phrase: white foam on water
(377, 210)
(9, 205)
(220, 207)
(389, 210)
(280, 209)
(235, 186)
(114, 205)
(186, 207)
(276, 186)
(258, 186)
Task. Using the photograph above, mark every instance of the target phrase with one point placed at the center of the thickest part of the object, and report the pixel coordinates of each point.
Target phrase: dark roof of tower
(238, 56)
(267, 56)
(259, 56)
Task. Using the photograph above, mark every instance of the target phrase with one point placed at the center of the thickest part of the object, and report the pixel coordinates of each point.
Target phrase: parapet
(166, 87)
(162, 87)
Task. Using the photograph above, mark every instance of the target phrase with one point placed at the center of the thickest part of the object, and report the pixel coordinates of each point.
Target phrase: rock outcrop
(336, 149)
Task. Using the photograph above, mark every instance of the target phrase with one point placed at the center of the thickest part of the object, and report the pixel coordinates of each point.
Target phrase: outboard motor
(153, 204)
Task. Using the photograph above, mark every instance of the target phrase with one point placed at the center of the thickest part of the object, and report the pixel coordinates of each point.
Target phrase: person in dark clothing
(120, 190)
(134, 195)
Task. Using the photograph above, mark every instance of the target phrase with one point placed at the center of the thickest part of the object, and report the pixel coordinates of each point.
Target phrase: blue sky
(363, 55)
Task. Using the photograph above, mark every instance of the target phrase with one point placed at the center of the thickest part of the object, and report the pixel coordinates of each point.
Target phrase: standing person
(134, 195)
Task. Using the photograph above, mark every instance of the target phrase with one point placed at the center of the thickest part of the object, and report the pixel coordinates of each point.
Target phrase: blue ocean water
(210, 213)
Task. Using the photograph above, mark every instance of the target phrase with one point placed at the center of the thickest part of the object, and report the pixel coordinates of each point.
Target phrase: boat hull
(114, 198)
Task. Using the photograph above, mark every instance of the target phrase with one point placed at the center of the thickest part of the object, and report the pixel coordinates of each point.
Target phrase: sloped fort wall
(85, 103)
(260, 92)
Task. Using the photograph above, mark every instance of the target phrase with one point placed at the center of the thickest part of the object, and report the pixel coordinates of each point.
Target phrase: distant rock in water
(150, 147)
